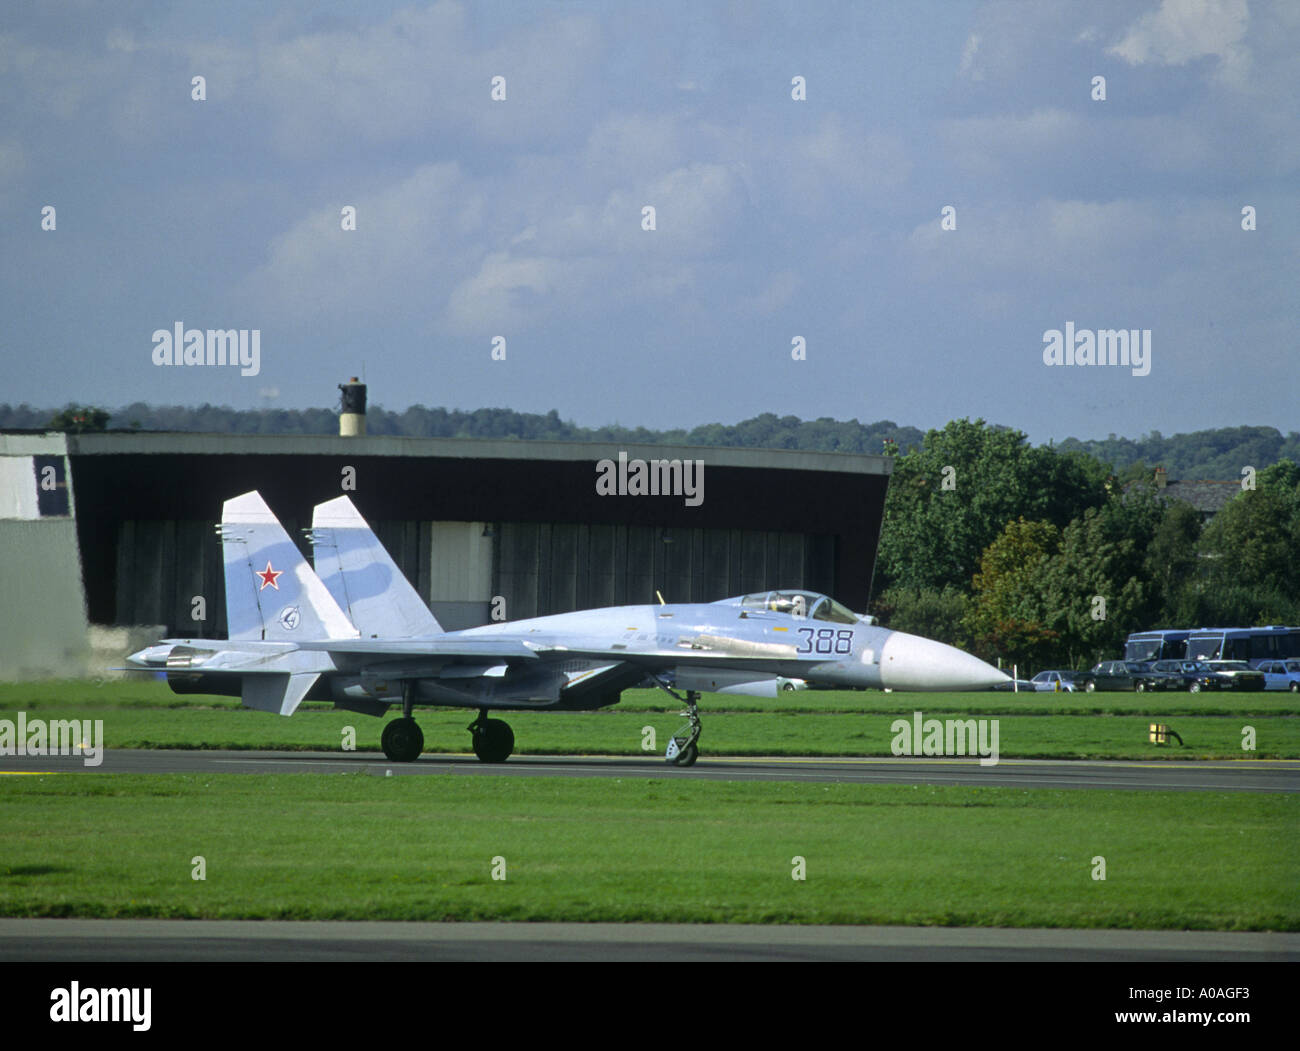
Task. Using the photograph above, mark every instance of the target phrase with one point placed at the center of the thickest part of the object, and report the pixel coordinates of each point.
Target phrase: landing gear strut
(493, 738)
(683, 749)
(402, 740)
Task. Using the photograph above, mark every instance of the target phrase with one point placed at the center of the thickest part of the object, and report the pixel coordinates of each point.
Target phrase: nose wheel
(682, 756)
(683, 749)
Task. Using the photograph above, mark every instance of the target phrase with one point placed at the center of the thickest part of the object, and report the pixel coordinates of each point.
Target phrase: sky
(798, 261)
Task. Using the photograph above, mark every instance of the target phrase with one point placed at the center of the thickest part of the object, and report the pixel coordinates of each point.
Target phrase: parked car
(1281, 675)
(1179, 675)
(1236, 675)
(1199, 676)
(1018, 685)
(1056, 681)
(1120, 675)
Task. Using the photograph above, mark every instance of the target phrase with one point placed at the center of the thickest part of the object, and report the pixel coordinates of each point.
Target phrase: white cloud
(1180, 31)
(595, 258)
(469, 252)
(968, 54)
(120, 40)
(625, 146)
(777, 291)
(1008, 39)
(988, 145)
(44, 77)
(422, 72)
(1101, 148)
(1048, 238)
(412, 238)
(812, 174)
(417, 75)
(505, 286)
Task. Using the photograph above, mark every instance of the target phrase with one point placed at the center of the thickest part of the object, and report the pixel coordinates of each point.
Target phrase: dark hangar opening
(467, 520)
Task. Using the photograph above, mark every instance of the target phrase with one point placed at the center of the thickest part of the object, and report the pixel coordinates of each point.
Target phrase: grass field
(150, 693)
(146, 714)
(362, 847)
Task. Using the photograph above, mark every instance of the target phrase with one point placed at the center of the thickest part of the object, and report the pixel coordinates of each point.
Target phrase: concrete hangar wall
(43, 627)
(469, 519)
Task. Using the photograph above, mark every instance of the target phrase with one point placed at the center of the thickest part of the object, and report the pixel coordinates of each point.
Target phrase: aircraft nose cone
(909, 662)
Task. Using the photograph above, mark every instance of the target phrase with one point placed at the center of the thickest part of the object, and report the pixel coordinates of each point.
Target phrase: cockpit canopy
(797, 604)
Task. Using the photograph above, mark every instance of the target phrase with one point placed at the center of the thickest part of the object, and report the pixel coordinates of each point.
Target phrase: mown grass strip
(136, 692)
(615, 732)
(362, 847)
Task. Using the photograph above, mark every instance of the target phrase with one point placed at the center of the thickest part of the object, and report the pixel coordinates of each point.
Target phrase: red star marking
(268, 576)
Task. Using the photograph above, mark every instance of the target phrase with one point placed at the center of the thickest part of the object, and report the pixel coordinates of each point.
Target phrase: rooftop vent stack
(1162, 477)
(352, 418)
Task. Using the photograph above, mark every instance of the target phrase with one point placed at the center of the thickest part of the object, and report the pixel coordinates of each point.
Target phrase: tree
(949, 500)
(1172, 561)
(1003, 615)
(1095, 589)
(79, 419)
(1252, 542)
(937, 615)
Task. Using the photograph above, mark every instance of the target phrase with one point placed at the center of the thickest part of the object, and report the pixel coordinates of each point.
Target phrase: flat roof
(146, 443)
(32, 443)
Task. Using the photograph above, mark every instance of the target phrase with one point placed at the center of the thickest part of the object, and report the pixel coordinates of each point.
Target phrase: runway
(1246, 775)
(216, 941)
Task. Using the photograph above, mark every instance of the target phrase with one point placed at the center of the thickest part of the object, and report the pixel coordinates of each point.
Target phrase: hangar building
(117, 528)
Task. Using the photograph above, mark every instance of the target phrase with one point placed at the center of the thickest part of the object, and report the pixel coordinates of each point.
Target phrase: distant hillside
(1211, 454)
(1216, 454)
(767, 431)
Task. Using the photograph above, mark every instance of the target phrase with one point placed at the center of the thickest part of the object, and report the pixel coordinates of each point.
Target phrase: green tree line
(1042, 555)
(767, 431)
(1208, 454)
(1046, 558)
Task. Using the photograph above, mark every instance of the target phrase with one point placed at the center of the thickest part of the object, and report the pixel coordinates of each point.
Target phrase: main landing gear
(493, 738)
(402, 739)
(403, 742)
(683, 749)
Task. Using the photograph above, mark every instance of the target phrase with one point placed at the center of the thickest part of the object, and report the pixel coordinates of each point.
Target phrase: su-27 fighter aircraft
(358, 634)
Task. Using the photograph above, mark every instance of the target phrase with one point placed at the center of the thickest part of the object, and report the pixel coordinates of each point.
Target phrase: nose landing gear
(683, 749)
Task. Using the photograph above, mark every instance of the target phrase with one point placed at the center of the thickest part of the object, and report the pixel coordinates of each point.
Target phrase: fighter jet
(359, 635)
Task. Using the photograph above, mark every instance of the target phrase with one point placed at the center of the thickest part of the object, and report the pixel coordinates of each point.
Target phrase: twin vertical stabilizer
(271, 592)
(363, 578)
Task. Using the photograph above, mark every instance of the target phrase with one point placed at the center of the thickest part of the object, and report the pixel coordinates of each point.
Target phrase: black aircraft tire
(402, 740)
(493, 741)
(687, 756)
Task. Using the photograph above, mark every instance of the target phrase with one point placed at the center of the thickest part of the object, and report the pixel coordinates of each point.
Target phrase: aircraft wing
(701, 649)
(439, 646)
